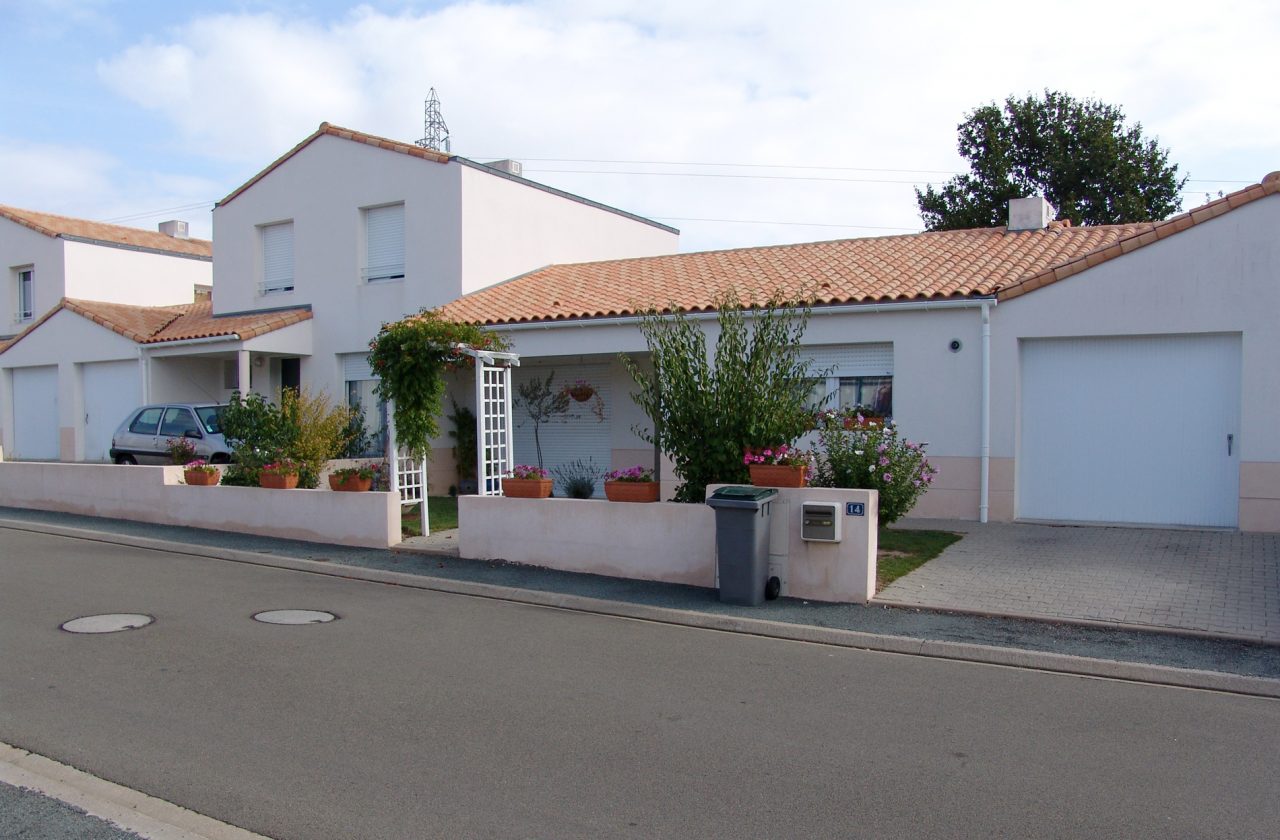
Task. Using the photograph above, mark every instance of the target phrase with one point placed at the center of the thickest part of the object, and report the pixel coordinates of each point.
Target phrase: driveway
(1221, 583)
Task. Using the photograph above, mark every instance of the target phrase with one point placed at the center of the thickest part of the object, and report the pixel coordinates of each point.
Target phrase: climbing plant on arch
(410, 358)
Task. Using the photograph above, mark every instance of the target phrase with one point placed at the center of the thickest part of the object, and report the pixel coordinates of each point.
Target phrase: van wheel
(127, 460)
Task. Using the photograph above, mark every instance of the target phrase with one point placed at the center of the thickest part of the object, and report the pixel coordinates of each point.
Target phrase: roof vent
(1032, 213)
(511, 167)
(176, 229)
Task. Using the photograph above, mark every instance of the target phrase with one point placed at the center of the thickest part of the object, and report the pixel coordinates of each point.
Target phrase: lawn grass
(910, 550)
(442, 515)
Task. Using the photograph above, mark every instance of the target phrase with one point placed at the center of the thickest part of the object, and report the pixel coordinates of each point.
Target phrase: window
(211, 418)
(360, 394)
(26, 294)
(277, 258)
(178, 422)
(871, 392)
(147, 422)
(384, 243)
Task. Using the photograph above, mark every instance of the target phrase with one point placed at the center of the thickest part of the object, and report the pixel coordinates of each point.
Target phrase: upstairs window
(26, 294)
(384, 243)
(277, 258)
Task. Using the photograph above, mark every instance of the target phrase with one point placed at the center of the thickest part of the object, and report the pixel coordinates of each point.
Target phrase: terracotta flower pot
(200, 478)
(526, 488)
(354, 484)
(777, 475)
(631, 491)
(278, 481)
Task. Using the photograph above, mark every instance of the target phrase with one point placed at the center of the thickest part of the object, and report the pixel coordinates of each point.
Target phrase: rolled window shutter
(384, 237)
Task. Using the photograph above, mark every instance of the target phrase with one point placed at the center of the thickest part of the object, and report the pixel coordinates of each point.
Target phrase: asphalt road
(422, 714)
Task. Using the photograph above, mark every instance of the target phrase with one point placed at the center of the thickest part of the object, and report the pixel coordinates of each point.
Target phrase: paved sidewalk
(1218, 582)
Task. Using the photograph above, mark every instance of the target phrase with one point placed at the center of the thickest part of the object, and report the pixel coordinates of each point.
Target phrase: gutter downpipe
(984, 471)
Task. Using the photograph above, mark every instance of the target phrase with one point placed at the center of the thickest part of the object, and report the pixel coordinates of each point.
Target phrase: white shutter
(384, 242)
(277, 258)
(355, 367)
(852, 359)
(579, 434)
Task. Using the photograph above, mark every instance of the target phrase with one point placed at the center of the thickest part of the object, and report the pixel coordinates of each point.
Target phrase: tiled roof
(346, 134)
(53, 225)
(921, 266)
(158, 324)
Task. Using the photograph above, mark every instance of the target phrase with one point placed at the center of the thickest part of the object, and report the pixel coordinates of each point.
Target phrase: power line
(769, 222)
(160, 211)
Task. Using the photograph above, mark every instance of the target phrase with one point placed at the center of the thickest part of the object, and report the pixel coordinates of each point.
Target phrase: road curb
(123, 807)
(957, 651)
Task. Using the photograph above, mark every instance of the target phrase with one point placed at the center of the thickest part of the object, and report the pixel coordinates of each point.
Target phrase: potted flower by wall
(200, 473)
(355, 479)
(280, 475)
(779, 466)
(526, 482)
(631, 485)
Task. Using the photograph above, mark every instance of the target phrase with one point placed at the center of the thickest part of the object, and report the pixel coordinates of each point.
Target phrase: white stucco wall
(20, 247)
(122, 275)
(1221, 276)
(510, 228)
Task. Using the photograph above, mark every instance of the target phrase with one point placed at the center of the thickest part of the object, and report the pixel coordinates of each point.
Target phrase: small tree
(1080, 155)
(257, 433)
(410, 358)
(541, 402)
(318, 429)
(705, 414)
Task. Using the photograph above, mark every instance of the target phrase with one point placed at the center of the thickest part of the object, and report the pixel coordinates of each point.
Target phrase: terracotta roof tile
(50, 224)
(346, 134)
(158, 324)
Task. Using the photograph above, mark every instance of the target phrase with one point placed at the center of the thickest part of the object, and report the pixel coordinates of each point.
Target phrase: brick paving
(1218, 582)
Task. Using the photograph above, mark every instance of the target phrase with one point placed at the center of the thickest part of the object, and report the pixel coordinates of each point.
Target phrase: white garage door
(111, 391)
(1140, 430)
(35, 413)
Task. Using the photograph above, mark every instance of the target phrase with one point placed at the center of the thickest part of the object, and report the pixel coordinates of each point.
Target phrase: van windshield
(211, 418)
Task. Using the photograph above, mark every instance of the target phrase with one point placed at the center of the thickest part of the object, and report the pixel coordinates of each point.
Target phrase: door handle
(1230, 440)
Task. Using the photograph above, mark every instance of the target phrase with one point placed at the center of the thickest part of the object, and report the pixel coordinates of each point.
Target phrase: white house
(49, 258)
(1118, 373)
(344, 232)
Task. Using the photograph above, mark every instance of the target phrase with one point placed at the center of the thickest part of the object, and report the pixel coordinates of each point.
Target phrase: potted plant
(355, 479)
(581, 390)
(779, 466)
(280, 475)
(635, 484)
(526, 482)
(181, 450)
(200, 473)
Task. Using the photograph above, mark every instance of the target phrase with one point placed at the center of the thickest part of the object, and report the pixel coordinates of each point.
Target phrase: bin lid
(746, 494)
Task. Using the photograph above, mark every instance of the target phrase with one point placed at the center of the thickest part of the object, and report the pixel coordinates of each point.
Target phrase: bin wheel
(772, 589)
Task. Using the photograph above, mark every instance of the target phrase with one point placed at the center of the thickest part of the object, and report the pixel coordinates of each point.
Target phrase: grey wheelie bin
(742, 542)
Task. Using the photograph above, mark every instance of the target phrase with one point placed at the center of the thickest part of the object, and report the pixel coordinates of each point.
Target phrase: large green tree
(1080, 155)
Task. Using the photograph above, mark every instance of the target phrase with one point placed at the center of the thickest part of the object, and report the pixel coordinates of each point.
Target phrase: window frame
(24, 275)
(387, 271)
(276, 285)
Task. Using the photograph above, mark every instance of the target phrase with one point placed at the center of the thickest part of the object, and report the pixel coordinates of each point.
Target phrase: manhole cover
(112, 623)
(294, 617)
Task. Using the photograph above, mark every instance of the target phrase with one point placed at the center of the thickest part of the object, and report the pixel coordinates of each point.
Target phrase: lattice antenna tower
(435, 134)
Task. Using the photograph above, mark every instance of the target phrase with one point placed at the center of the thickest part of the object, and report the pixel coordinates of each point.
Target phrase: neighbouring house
(50, 258)
(1118, 373)
(342, 233)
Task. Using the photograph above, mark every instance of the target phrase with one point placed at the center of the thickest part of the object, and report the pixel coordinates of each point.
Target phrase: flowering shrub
(528, 471)
(200, 465)
(867, 454)
(636, 473)
(180, 449)
(782, 456)
(285, 466)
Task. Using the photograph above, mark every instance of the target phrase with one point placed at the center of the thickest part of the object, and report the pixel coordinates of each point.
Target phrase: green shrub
(304, 427)
(706, 414)
(872, 457)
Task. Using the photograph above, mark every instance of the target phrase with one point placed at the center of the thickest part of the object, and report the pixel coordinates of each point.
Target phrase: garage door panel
(111, 391)
(35, 413)
(1130, 430)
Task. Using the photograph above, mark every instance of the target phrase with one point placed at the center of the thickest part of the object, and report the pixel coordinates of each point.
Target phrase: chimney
(1032, 213)
(174, 228)
(511, 167)
(203, 292)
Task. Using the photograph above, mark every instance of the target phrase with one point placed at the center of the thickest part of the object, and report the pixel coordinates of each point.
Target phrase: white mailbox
(820, 521)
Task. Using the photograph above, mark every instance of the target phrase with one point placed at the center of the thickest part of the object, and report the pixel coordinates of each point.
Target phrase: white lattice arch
(495, 450)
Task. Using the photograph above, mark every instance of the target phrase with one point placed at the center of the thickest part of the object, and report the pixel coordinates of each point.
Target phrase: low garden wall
(670, 542)
(157, 495)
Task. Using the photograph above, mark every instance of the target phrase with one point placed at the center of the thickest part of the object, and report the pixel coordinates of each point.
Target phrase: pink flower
(768, 453)
(888, 476)
(884, 461)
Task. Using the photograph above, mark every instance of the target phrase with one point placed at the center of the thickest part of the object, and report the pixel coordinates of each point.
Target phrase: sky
(740, 123)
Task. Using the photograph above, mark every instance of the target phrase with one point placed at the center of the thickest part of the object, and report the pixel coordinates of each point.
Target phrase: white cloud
(833, 84)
